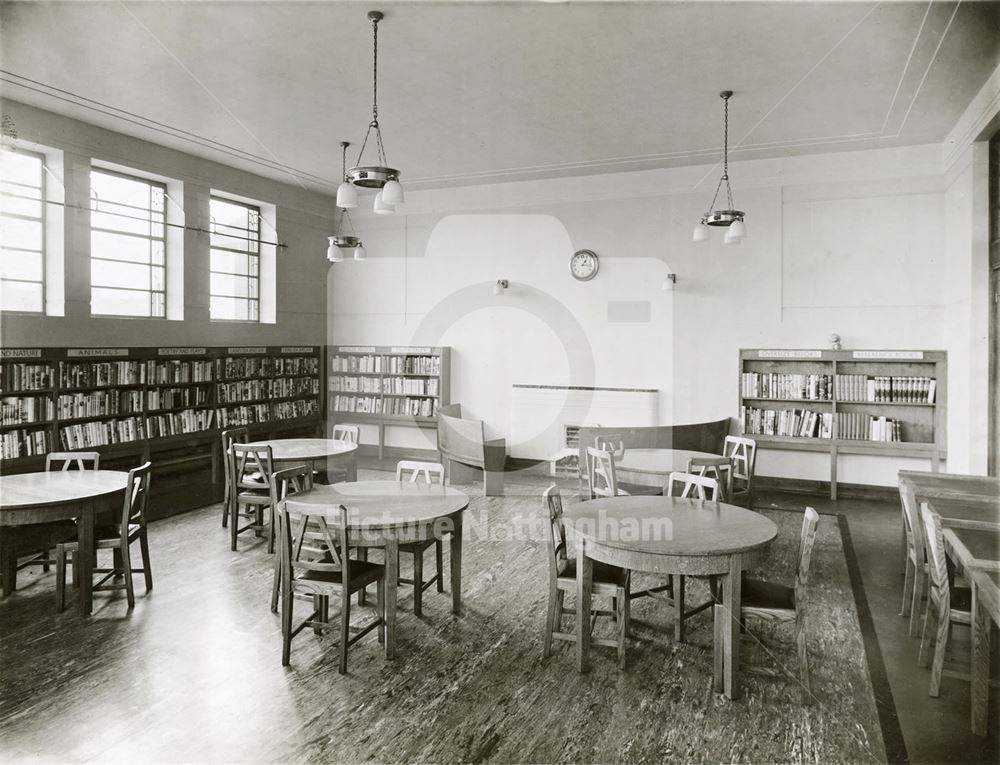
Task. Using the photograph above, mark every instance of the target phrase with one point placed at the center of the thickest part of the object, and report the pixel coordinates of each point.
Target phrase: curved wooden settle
(463, 446)
(696, 436)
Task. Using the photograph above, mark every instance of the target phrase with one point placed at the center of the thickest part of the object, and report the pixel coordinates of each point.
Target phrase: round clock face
(583, 265)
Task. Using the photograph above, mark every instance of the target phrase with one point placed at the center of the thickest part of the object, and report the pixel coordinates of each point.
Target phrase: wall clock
(583, 265)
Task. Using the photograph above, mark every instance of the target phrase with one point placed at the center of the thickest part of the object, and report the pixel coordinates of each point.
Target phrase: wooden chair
(779, 603)
(608, 581)
(946, 604)
(287, 483)
(614, 443)
(119, 539)
(915, 564)
(432, 472)
(230, 437)
(601, 478)
(70, 460)
(320, 576)
(692, 486)
(250, 479)
(349, 433)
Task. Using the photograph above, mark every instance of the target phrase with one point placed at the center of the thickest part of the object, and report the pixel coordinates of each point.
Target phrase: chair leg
(276, 584)
(926, 638)
(622, 599)
(380, 607)
(225, 504)
(439, 561)
(800, 641)
(920, 581)
(147, 571)
(363, 592)
(628, 605)
(418, 582)
(127, 573)
(943, 629)
(345, 627)
(908, 575)
(270, 530)
(234, 525)
(286, 627)
(60, 578)
(550, 623)
(74, 563)
(321, 605)
(679, 609)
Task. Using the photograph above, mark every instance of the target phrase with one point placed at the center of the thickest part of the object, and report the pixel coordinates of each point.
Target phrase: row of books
(398, 386)
(358, 404)
(174, 398)
(906, 390)
(177, 371)
(798, 423)
(296, 365)
(413, 407)
(23, 443)
(90, 374)
(245, 390)
(293, 386)
(290, 410)
(98, 403)
(247, 366)
(19, 376)
(101, 433)
(394, 365)
(178, 423)
(865, 427)
(17, 410)
(815, 387)
(244, 415)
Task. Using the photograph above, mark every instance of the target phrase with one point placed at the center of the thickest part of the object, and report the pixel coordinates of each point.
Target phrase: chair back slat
(601, 478)
(301, 527)
(937, 563)
(251, 466)
(136, 495)
(72, 460)
(743, 453)
(912, 526)
(555, 536)
(693, 486)
(349, 433)
(810, 524)
(611, 442)
(432, 472)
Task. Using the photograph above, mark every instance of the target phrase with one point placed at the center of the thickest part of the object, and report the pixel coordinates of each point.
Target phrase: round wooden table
(317, 453)
(651, 467)
(669, 535)
(27, 498)
(387, 514)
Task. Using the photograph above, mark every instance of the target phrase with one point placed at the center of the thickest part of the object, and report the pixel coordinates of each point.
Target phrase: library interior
(500, 381)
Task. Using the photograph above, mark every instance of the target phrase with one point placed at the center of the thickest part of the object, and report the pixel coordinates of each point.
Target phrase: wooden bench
(697, 436)
(464, 449)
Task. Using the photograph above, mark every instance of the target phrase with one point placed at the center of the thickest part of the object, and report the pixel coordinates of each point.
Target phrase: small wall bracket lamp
(500, 286)
(669, 282)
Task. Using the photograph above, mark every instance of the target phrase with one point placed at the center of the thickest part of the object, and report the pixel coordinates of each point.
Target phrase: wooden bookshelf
(870, 402)
(387, 386)
(166, 404)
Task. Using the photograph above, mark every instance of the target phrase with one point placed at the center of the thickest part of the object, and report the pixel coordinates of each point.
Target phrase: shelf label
(20, 353)
(795, 354)
(181, 351)
(406, 349)
(96, 352)
(248, 349)
(357, 348)
(298, 349)
(887, 354)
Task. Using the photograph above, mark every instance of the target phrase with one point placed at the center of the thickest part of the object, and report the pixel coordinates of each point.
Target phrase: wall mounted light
(500, 286)
(669, 282)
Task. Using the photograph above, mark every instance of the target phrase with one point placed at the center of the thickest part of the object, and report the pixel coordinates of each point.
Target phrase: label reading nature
(20, 353)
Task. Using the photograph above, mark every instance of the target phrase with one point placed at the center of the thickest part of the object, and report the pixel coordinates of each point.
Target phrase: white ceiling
(493, 91)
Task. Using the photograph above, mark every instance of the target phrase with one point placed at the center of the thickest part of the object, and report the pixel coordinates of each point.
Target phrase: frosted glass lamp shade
(333, 253)
(392, 193)
(729, 239)
(737, 229)
(700, 233)
(360, 253)
(382, 207)
(347, 196)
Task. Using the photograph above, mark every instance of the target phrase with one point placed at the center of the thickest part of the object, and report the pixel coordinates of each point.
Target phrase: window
(235, 261)
(127, 245)
(22, 231)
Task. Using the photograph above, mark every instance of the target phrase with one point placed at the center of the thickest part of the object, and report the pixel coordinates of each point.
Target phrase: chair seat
(760, 594)
(362, 573)
(961, 599)
(104, 536)
(604, 573)
(640, 490)
(418, 546)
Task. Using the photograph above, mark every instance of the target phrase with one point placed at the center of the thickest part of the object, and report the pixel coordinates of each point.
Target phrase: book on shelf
(858, 426)
(179, 423)
(283, 387)
(159, 372)
(243, 415)
(814, 387)
(26, 377)
(243, 390)
(101, 433)
(23, 443)
(176, 398)
(796, 423)
(290, 410)
(296, 365)
(23, 410)
(885, 389)
(246, 366)
(99, 403)
(92, 374)
(388, 364)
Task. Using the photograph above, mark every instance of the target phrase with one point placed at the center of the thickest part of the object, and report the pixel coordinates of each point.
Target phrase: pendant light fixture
(342, 240)
(378, 176)
(731, 218)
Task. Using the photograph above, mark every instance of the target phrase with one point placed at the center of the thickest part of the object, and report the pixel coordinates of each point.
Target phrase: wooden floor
(193, 673)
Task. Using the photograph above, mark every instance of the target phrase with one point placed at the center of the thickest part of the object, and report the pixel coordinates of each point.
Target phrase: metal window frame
(42, 219)
(253, 302)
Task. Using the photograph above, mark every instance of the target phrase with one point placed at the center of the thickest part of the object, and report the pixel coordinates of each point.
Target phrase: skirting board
(844, 490)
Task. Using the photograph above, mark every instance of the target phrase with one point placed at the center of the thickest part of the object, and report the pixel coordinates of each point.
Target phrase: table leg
(982, 623)
(731, 599)
(456, 567)
(719, 622)
(584, 584)
(86, 553)
(391, 580)
(352, 465)
(8, 560)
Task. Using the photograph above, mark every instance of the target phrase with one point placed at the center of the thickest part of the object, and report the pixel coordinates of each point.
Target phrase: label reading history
(298, 349)
(20, 353)
(248, 349)
(96, 352)
(887, 354)
(794, 354)
(181, 351)
(410, 350)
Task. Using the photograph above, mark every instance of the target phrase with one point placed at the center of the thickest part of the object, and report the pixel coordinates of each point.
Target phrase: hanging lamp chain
(374, 123)
(725, 162)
